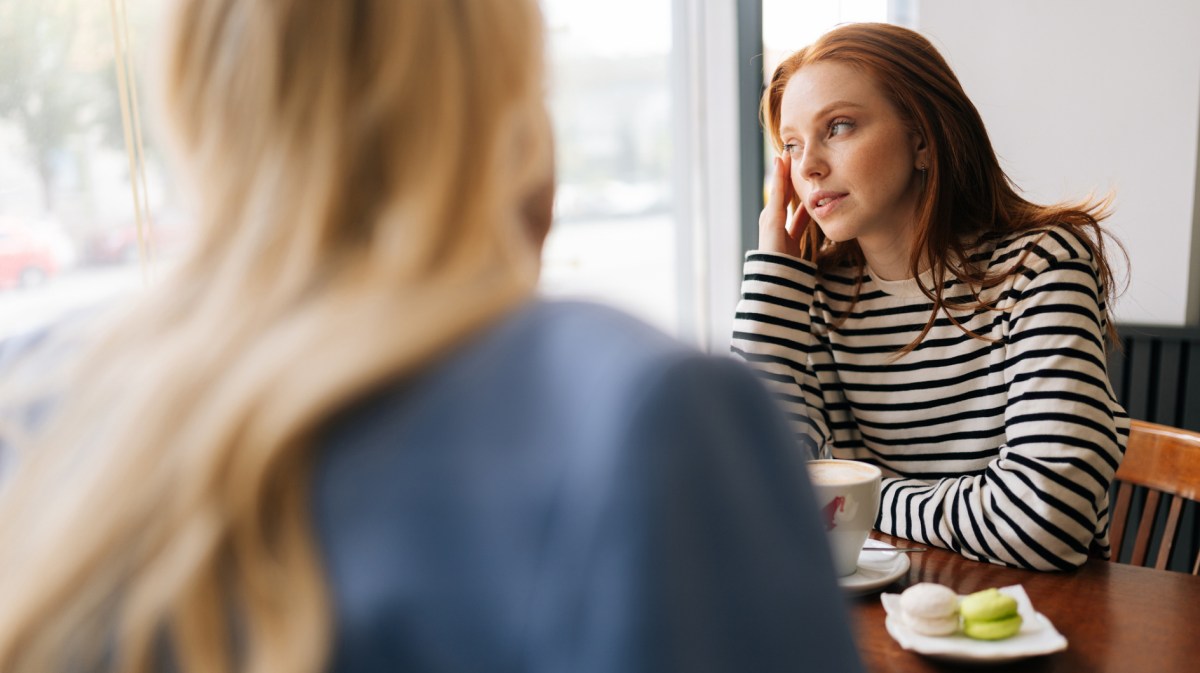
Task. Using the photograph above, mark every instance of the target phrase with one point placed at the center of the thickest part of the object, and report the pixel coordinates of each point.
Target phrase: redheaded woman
(912, 310)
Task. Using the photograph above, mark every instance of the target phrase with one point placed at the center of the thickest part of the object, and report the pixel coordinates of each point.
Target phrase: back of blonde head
(359, 169)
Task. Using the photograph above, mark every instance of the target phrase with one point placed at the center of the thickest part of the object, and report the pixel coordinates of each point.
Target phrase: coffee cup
(848, 499)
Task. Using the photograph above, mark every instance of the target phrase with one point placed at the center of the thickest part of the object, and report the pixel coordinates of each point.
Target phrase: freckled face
(854, 164)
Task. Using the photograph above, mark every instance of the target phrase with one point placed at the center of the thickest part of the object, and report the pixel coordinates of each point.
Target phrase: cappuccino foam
(827, 473)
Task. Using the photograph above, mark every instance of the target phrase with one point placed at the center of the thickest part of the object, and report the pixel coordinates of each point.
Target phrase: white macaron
(930, 609)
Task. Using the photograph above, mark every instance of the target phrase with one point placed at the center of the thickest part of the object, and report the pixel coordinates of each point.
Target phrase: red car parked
(26, 259)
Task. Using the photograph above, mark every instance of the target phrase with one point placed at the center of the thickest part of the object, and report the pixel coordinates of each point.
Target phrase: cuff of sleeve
(776, 265)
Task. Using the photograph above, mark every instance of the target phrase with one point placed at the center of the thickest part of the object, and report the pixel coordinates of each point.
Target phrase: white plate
(1036, 637)
(876, 569)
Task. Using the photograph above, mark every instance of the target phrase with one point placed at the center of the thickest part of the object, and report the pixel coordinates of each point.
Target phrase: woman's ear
(538, 210)
(920, 152)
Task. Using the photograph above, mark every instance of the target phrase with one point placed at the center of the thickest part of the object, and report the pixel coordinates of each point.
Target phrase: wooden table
(1118, 618)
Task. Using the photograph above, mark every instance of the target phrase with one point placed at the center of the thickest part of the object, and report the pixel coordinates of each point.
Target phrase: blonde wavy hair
(361, 171)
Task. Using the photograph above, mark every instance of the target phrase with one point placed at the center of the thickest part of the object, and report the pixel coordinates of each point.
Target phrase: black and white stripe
(1001, 449)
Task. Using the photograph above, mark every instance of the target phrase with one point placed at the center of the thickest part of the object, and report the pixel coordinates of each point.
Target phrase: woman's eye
(839, 126)
(791, 149)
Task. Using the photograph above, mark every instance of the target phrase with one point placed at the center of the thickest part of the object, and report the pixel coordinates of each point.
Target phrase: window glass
(789, 25)
(68, 225)
(72, 202)
(610, 97)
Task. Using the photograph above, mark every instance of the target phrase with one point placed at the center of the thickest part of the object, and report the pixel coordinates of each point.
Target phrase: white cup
(848, 498)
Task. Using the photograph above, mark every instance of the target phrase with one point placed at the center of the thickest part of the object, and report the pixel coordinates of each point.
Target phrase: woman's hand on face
(775, 232)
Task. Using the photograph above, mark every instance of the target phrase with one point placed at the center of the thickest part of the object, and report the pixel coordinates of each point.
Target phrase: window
(648, 115)
(69, 220)
(789, 25)
(613, 238)
(81, 222)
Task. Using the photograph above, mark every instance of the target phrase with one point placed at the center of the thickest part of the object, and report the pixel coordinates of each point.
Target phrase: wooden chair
(1161, 459)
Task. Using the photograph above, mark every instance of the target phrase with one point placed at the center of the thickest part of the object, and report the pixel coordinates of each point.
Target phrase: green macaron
(987, 605)
(995, 629)
(989, 615)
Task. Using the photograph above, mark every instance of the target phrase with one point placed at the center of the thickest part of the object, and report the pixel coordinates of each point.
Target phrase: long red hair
(967, 197)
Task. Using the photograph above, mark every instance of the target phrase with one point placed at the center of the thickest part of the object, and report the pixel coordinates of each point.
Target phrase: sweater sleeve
(774, 333)
(1044, 499)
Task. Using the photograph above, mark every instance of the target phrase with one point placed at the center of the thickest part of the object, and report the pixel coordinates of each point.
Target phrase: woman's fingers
(776, 232)
(780, 184)
(772, 223)
(799, 222)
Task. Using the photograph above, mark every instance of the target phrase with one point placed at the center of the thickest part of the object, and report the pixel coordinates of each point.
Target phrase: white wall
(1087, 96)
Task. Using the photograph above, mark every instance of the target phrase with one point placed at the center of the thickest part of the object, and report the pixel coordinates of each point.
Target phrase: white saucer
(1036, 637)
(876, 569)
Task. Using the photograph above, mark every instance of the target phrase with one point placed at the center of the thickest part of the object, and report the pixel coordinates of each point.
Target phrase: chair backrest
(1155, 373)
(1163, 460)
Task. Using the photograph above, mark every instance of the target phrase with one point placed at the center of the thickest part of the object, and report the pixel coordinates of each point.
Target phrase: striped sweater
(1002, 449)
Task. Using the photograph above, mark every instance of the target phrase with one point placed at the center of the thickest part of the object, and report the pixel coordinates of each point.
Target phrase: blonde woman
(345, 436)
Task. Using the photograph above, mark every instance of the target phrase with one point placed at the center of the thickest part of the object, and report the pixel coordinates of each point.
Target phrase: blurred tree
(57, 79)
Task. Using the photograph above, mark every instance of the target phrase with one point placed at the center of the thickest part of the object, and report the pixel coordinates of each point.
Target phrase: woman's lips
(822, 204)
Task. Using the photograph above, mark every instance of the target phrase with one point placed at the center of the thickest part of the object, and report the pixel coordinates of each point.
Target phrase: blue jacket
(573, 492)
(570, 492)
